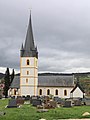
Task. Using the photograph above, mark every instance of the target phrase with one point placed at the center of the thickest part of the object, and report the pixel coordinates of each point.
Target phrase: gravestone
(34, 98)
(36, 102)
(52, 104)
(77, 103)
(12, 104)
(87, 101)
(58, 100)
(23, 97)
(20, 101)
(27, 97)
(45, 99)
(67, 104)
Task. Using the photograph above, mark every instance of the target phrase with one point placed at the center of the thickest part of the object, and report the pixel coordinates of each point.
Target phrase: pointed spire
(29, 49)
(29, 43)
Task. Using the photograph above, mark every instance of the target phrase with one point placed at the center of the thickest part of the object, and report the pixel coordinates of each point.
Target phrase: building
(29, 64)
(29, 83)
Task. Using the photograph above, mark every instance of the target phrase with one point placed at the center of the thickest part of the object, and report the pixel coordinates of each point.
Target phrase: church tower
(29, 64)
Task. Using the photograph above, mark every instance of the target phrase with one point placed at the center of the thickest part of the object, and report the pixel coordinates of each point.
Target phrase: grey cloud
(61, 32)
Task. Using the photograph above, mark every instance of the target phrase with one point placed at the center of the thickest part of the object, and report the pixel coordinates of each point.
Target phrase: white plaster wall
(52, 91)
(36, 72)
(30, 81)
(27, 90)
(30, 87)
(36, 81)
(24, 63)
(78, 93)
(24, 71)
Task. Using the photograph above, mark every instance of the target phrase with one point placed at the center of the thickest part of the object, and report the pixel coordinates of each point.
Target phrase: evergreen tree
(12, 76)
(7, 82)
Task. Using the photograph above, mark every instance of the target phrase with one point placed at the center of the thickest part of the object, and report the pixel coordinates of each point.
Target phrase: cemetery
(43, 107)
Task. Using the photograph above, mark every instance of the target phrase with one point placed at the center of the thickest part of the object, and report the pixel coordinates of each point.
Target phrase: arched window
(26, 80)
(28, 62)
(27, 72)
(56, 92)
(40, 92)
(65, 92)
(48, 92)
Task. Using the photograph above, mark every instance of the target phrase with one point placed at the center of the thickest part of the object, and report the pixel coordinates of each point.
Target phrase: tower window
(65, 92)
(27, 72)
(48, 92)
(56, 92)
(40, 92)
(28, 62)
(26, 80)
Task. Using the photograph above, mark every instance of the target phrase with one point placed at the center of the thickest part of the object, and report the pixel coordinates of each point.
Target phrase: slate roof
(29, 49)
(16, 82)
(48, 81)
(56, 81)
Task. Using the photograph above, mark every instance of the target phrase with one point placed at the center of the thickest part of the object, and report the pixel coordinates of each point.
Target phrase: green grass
(28, 112)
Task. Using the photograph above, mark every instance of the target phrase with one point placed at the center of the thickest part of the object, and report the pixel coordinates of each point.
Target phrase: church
(30, 83)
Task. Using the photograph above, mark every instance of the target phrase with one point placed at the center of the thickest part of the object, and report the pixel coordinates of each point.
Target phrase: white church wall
(24, 72)
(77, 93)
(29, 82)
(28, 90)
(24, 59)
(53, 89)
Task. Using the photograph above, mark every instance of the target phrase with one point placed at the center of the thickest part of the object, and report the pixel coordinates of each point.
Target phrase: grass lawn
(28, 112)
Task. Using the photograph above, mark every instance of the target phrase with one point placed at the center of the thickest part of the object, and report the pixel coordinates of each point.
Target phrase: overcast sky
(61, 31)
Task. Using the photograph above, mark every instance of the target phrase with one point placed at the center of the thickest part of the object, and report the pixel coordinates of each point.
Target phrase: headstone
(67, 104)
(34, 97)
(36, 102)
(77, 103)
(87, 101)
(27, 97)
(12, 104)
(50, 105)
(45, 99)
(58, 100)
(20, 101)
(23, 97)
